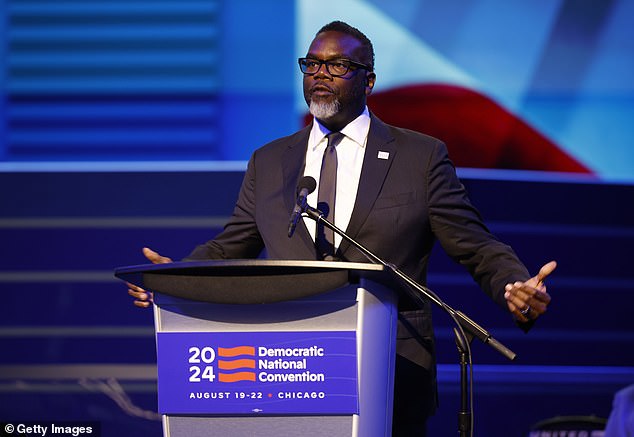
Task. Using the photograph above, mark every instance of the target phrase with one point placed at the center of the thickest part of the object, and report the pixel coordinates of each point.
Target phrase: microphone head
(308, 183)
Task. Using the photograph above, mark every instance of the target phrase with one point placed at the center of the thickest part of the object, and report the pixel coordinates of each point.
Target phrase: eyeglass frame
(357, 65)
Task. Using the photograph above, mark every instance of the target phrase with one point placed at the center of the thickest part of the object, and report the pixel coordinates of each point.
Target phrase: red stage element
(479, 133)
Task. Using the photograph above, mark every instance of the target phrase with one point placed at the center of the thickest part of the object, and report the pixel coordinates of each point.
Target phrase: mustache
(321, 87)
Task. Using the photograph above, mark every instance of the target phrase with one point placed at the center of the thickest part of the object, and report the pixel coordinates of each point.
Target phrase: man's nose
(323, 72)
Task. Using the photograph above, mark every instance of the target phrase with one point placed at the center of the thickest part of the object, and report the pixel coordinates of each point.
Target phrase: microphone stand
(465, 329)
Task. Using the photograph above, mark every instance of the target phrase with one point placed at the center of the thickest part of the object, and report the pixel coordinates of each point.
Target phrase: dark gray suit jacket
(404, 203)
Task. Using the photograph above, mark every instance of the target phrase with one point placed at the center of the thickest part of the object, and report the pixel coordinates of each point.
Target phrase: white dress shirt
(350, 153)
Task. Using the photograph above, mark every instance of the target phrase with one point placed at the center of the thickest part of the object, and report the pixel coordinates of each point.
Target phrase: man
(396, 192)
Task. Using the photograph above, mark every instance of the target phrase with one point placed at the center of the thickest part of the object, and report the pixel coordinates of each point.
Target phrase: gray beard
(324, 110)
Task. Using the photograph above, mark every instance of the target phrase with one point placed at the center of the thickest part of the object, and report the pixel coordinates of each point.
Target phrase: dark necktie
(326, 197)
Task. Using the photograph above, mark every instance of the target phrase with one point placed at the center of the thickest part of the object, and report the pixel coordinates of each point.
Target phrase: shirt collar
(357, 130)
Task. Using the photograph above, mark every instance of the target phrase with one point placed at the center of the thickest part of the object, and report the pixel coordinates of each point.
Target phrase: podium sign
(253, 373)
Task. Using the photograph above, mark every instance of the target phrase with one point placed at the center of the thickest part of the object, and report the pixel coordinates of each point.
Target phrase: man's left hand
(528, 300)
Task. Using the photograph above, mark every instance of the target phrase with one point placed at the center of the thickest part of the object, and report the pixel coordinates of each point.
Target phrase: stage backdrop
(540, 86)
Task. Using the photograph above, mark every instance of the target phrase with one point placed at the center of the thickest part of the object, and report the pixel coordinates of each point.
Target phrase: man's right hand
(143, 298)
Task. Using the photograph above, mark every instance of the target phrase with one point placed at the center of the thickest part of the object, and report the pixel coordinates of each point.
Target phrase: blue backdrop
(212, 80)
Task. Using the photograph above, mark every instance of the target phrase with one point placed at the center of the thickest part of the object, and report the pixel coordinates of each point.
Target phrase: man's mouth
(321, 90)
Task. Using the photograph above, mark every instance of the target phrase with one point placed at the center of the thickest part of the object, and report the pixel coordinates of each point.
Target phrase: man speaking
(393, 190)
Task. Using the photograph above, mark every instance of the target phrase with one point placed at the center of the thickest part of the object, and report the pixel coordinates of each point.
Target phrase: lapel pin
(383, 155)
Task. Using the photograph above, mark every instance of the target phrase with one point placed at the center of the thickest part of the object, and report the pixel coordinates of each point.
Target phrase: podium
(272, 348)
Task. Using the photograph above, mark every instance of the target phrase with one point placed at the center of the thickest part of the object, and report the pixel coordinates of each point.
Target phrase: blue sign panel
(257, 372)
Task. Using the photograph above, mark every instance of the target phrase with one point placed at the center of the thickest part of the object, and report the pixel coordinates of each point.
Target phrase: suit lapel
(293, 162)
(378, 158)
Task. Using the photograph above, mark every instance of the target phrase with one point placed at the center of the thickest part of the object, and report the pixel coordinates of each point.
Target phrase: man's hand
(528, 300)
(142, 298)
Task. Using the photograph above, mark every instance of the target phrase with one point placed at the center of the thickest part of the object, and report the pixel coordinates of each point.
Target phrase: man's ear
(370, 78)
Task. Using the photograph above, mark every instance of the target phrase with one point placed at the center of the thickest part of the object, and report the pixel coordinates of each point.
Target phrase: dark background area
(84, 352)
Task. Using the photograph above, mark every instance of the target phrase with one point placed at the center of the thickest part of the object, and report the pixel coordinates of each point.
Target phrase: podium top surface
(248, 281)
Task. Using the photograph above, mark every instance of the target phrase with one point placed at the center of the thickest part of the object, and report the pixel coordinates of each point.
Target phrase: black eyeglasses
(335, 67)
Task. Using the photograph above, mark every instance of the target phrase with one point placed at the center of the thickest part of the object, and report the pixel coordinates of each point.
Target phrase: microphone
(306, 185)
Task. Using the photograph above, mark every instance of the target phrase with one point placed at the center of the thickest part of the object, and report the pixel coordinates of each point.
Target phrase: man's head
(338, 74)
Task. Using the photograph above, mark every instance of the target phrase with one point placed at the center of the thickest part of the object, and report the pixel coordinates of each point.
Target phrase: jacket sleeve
(463, 234)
